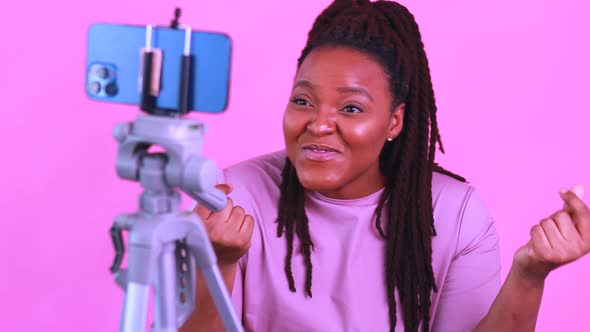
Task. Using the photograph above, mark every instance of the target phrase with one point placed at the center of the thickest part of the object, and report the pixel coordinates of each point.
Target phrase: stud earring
(390, 139)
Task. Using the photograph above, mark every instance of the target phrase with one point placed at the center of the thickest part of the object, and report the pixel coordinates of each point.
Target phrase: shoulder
(460, 209)
(255, 171)
(256, 181)
(445, 187)
(449, 193)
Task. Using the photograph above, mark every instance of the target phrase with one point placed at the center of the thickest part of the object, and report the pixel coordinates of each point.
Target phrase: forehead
(333, 67)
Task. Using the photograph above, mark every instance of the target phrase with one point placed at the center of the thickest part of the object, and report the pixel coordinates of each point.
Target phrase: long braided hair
(388, 32)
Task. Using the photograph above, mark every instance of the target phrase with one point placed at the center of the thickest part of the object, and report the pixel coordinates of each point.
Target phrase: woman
(353, 227)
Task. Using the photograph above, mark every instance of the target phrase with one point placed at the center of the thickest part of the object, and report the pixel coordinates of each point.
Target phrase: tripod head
(185, 168)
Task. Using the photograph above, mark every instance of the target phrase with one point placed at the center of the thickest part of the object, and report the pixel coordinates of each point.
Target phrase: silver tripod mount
(164, 243)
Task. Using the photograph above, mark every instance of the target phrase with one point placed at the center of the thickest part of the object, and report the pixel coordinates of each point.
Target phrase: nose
(322, 123)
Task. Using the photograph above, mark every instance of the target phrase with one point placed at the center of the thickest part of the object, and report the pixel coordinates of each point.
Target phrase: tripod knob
(121, 131)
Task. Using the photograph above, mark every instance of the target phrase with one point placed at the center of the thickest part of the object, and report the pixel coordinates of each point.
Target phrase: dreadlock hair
(388, 32)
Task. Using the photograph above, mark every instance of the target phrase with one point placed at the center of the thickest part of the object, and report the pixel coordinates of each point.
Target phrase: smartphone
(114, 66)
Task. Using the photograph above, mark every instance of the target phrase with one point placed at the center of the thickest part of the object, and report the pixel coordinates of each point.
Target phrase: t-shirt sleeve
(474, 278)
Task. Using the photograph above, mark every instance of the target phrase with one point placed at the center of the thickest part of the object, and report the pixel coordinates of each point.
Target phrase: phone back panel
(113, 66)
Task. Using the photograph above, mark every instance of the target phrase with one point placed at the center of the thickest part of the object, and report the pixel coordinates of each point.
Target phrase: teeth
(319, 150)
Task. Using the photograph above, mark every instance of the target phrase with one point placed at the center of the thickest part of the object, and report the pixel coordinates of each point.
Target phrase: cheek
(293, 125)
(365, 136)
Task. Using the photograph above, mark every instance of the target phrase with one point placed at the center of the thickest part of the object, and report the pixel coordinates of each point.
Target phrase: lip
(318, 146)
(320, 152)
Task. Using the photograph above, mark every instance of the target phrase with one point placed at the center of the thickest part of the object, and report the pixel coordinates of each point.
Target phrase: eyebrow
(346, 89)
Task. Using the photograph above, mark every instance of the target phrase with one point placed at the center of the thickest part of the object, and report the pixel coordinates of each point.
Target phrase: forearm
(517, 305)
(206, 317)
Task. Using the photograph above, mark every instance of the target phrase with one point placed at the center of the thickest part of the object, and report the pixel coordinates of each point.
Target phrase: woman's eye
(299, 101)
(352, 109)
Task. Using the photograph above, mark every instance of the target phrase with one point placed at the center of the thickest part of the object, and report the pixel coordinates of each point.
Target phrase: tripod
(161, 239)
(164, 243)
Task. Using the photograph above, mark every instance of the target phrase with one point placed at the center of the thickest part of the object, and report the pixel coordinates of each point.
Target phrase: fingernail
(578, 189)
(563, 191)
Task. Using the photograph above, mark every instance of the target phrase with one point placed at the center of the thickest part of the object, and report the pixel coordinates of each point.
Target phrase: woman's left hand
(557, 240)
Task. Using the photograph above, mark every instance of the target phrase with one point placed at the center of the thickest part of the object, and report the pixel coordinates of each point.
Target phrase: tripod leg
(206, 260)
(165, 290)
(136, 307)
(141, 264)
(221, 298)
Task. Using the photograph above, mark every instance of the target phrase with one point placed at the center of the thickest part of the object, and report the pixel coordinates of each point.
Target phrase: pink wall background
(512, 86)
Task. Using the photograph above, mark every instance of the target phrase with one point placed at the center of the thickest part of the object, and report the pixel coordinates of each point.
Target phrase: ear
(397, 121)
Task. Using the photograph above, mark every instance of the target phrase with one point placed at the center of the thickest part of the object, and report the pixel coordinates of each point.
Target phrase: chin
(319, 181)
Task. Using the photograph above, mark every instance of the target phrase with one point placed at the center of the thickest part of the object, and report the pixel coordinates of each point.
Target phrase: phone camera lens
(111, 89)
(102, 72)
(94, 88)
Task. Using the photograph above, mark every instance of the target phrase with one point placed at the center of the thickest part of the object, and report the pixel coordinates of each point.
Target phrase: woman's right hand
(230, 230)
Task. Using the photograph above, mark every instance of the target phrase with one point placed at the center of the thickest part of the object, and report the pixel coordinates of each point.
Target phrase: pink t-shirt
(348, 270)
